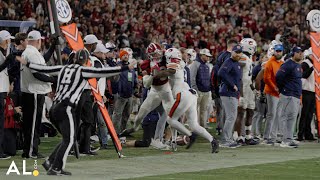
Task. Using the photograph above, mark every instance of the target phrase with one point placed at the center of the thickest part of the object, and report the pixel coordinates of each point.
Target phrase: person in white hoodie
(308, 97)
(5, 40)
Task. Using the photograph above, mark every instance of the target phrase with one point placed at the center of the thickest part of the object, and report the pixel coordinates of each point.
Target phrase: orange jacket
(269, 77)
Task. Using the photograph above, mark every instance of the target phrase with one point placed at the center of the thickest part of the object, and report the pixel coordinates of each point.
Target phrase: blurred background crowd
(185, 23)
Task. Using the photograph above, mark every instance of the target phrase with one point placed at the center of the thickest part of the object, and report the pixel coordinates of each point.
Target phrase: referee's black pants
(84, 112)
(32, 107)
(62, 116)
(308, 108)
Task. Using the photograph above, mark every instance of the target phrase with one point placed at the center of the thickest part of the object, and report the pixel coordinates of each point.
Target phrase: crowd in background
(202, 25)
(194, 24)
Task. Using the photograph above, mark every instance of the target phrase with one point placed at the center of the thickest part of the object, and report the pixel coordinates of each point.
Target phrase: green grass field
(248, 162)
(291, 170)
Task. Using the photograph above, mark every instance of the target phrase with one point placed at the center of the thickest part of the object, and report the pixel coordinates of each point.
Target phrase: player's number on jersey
(67, 76)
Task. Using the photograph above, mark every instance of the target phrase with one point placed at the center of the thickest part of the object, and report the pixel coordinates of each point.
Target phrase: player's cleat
(157, 144)
(192, 140)
(214, 146)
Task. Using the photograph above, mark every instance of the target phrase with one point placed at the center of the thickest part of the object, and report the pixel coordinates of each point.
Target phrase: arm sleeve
(193, 74)
(50, 70)
(97, 64)
(281, 75)
(306, 70)
(267, 76)
(135, 80)
(6, 62)
(255, 71)
(258, 79)
(165, 73)
(91, 72)
(49, 53)
(43, 77)
(224, 74)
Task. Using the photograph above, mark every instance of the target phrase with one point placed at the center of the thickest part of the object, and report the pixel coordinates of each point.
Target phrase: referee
(72, 80)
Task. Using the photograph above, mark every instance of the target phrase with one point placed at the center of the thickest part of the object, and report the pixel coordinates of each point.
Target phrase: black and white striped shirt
(72, 78)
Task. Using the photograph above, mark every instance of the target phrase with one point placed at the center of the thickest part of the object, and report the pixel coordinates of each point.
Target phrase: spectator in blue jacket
(126, 88)
(288, 79)
(200, 81)
(230, 74)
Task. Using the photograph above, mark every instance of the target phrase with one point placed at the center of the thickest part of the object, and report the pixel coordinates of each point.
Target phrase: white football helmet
(192, 53)
(173, 55)
(249, 45)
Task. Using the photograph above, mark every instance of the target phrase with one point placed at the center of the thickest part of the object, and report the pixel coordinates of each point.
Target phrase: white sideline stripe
(182, 162)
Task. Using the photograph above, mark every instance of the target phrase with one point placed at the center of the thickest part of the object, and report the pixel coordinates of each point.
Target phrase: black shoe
(24, 155)
(215, 146)
(310, 139)
(241, 142)
(90, 153)
(52, 172)
(299, 139)
(71, 153)
(37, 156)
(251, 142)
(46, 164)
(192, 140)
(66, 173)
(94, 149)
(4, 156)
(104, 146)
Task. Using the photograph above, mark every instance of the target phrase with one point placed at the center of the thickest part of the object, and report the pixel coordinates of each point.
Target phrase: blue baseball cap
(278, 47)
(66, 50)
(237, 48)
(296, 50)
